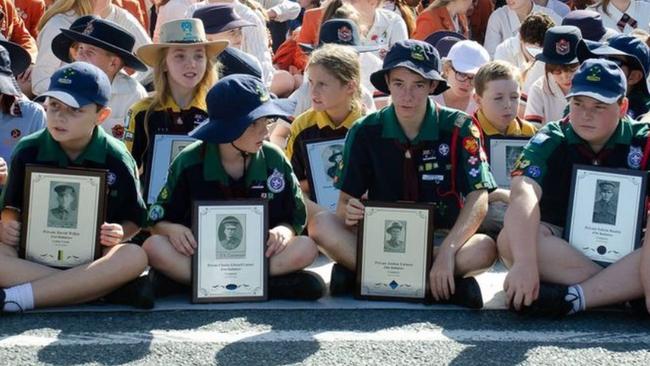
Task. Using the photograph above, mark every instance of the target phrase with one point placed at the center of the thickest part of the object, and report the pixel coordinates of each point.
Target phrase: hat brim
(9, 86)
(308, 48)
(61, 48)
(596, 93)
(130, 60)
(149, 53)
(65, 97)
(549, 60)
(19, 57)
(221, 131)
(378, 78)
(435, 37)
(228, 26)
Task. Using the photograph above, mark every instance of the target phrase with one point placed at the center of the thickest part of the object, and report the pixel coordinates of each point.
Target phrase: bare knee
(155, 246)
(485, 250)
(322, 226)
(305, 252)
(130, 259)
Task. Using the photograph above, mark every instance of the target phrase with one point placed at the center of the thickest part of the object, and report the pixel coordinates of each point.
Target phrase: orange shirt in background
(437, 19)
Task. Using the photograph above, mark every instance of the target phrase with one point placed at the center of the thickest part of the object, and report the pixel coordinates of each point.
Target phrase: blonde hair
(163, 89)
(495, 70)
(80, 7)
(343, 63)
(439, 4)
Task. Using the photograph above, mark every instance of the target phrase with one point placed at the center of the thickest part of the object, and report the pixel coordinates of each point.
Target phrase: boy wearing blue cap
(598, 132)
(233, 160)
(439, 154)
(76, 101)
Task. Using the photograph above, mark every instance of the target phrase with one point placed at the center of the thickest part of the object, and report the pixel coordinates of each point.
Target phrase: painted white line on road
(189, 336)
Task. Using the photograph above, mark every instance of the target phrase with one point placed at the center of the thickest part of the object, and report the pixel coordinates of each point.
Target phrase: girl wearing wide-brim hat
(233, 160)
(183, 68)
(546, 97)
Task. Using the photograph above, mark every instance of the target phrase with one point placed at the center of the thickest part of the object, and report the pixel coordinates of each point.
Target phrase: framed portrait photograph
(394, 252)
(503, 153)
(323, 158)
(229, 263)
(606, 207)
(63, 213)
(164, 150)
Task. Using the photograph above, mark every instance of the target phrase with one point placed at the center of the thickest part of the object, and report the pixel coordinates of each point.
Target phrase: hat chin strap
(244, 155)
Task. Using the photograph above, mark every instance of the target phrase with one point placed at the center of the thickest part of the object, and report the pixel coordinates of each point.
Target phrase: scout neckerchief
(626, 19)
(409, 172)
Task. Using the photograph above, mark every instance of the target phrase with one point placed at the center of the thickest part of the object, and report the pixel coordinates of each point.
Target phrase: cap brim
(307, 48)
(378, 78)
(66, 98)
(220, 131)
(148, 53)
(130, 60)
(592, 94)
(19, 57)
(226, 27)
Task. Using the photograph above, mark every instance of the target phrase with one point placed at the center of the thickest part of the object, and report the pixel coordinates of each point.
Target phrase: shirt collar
(513, 129)
(198, 102)
(214, 171)
(323, 120)
(50, 149)
(393, 130)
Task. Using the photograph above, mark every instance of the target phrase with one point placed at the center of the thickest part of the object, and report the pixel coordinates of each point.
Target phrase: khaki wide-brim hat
(180, 33)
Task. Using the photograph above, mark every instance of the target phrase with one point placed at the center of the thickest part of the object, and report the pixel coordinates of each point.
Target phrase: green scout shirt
(374, 157)
(197, 174)
(124, 202)
(549, 156)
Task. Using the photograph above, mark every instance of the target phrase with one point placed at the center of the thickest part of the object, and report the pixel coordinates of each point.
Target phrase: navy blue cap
(589, 22)
(234, 61)
(417, 56)
(444, 40)
(79, 84)
(219, 18)
(560, 45)
(600, 79)
(234, 103)
(340, 31)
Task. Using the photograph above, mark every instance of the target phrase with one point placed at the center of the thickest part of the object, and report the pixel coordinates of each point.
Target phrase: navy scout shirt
(549, 156)
(197, 174)
(377, 153)
(124, 201)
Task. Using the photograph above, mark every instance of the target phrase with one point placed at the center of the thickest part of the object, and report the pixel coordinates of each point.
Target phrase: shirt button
(595, 162)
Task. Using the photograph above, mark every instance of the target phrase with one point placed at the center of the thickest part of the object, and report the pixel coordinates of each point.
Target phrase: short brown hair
(495, 70)
(534, 27)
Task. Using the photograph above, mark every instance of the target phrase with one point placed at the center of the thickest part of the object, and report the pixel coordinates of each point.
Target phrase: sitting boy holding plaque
(415, 150)
(76, 106)
(597, 133)
(497, 96)
(233, 161)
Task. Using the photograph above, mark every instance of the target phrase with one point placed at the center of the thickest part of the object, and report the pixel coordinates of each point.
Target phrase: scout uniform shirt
(124, 201)
(165, 119)
(549, 157)
(314, 125)
(435, 167)
(197, 174)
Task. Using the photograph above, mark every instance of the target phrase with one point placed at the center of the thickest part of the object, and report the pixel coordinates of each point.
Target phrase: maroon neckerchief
(410, 179)
(626, 19)
(596, 158)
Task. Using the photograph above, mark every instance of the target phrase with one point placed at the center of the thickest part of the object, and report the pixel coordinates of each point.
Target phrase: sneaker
(467, 293)
(300, 285)
(553, 301)
(137, 293)
(637, 307)
(342, 281)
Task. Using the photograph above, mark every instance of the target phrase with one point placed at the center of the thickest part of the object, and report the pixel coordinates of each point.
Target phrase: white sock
(19, 298)
(577, 299)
